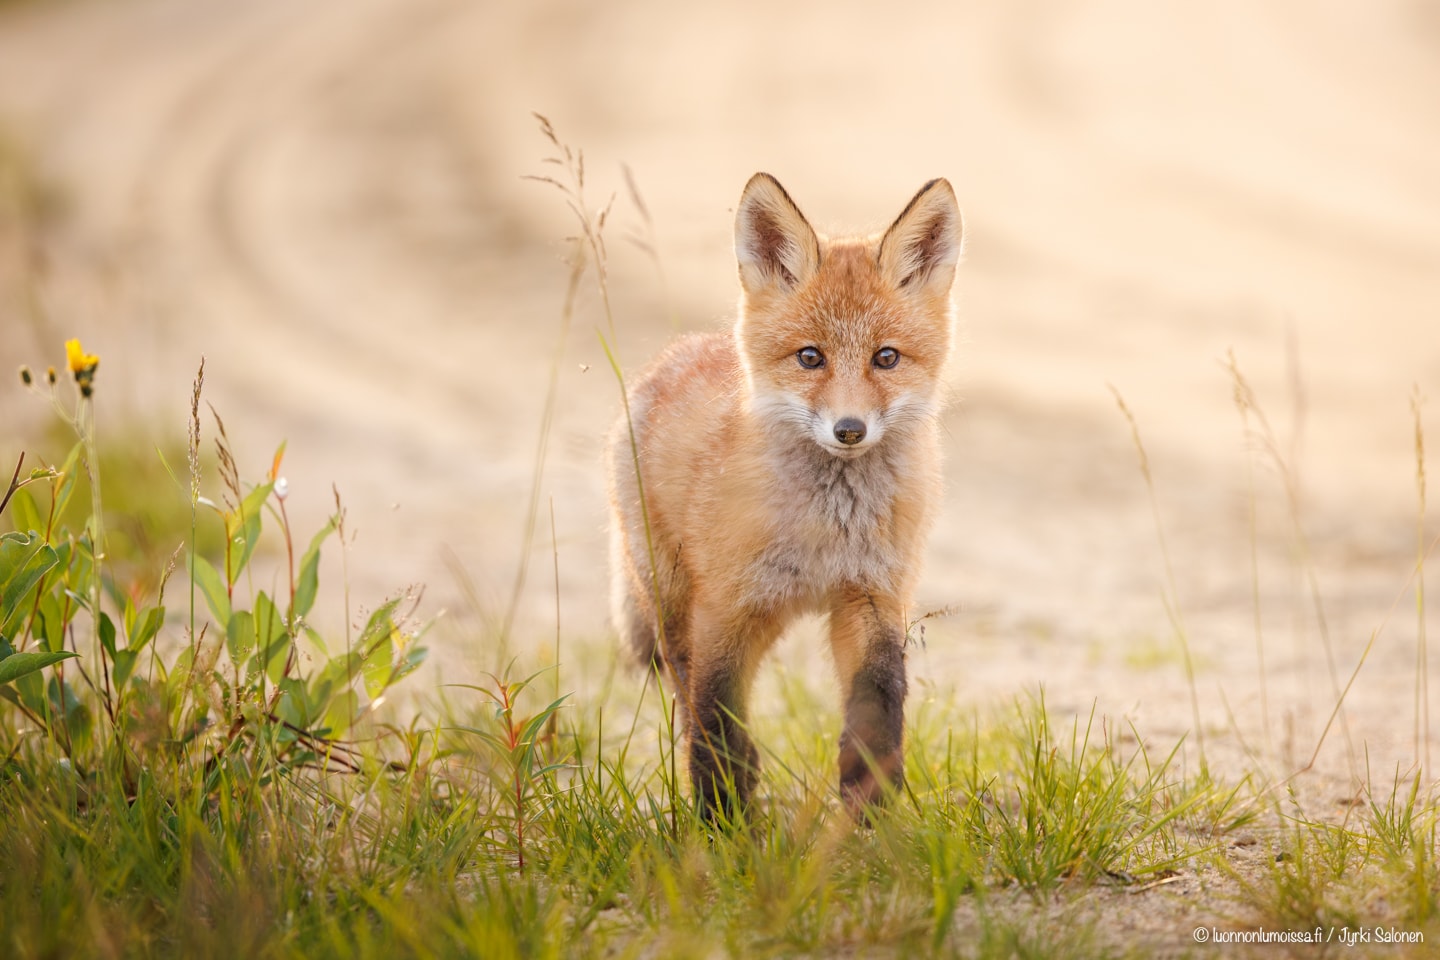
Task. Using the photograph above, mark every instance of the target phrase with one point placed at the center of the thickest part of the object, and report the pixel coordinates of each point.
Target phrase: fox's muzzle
(850, 431)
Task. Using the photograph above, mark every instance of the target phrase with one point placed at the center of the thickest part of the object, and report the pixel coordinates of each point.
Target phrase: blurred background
(325, 200)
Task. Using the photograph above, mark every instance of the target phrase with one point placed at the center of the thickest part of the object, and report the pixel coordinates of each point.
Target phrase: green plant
(517, 744)
(233, 686)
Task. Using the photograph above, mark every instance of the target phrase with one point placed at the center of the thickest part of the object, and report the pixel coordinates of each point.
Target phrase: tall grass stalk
(192, 460)
(342, 535)
(1422, 658)
(1169, 594)
(555, 561)
(1335, 712)
(1242, 405)
(592, 234)
(1245, 399)
(85, 428)
(644, 239)
(542, 443)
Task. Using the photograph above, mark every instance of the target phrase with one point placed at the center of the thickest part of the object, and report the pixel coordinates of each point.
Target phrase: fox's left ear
(922, 246)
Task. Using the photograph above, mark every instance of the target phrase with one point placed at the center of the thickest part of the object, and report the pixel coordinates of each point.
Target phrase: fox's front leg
(724, 764)
(867, 635)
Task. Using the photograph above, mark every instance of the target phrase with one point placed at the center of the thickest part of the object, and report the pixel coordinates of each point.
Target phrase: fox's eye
(811, 358)
(886, 357)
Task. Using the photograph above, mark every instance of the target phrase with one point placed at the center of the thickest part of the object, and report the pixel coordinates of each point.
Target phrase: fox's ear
(922, 246)
(774, 243)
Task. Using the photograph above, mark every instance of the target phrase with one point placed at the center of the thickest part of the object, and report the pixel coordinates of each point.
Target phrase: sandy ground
(325, 201)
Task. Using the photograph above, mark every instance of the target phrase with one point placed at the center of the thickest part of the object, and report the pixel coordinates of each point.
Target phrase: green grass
(510, 823)
(423, 857)
(186, 784)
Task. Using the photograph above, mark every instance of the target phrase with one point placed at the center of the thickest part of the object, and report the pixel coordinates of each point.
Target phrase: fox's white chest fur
(830, 520)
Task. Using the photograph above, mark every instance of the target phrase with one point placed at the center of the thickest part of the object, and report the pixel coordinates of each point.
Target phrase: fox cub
(789, 466)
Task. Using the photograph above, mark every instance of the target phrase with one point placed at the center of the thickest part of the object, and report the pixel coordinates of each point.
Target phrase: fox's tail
(632, 618)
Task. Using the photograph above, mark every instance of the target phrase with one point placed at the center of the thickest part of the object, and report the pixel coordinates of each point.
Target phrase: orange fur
(777, 484)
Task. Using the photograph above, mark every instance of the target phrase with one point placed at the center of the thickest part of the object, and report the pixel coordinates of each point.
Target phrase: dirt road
(325, 201)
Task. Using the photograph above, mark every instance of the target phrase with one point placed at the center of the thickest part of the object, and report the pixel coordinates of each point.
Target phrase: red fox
(790, 466)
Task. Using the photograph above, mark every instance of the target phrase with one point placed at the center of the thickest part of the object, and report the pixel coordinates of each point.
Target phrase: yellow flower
(78, 360)
(81, 364)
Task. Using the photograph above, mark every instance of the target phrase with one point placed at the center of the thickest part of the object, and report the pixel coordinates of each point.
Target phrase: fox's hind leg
(632, 621)
(632, 608)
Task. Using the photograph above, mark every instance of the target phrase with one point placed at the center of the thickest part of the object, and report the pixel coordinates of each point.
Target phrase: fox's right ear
(774, 243)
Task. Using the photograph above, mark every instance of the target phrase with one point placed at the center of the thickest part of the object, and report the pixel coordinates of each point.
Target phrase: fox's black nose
(850, 430)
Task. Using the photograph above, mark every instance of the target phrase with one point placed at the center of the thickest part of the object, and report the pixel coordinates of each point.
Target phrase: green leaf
(80, 572)
(32, 691)
(314, 637)
(64, 552)
(308, 583)
(380, 625)
(318, 694)
(128, 613)
(124, 666)
(179, 675)
(377, 648)
(341, 670)
(341, 713)
(24, 559)
(69, 472)
(107, 633)
(272, 641)
(243, 530)
(240, 635)
(64, 703)
(18, 665)
(207, 578)
(378, 668)
(532, 729)
(409, 663)
(24, 511)
(147, 624)
(294, 705)
(50, 626)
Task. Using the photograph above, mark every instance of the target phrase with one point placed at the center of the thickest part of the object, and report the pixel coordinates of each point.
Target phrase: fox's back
(682, 412)
(682, 399)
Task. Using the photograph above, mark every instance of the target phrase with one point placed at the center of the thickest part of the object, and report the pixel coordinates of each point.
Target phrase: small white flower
(282, 488)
